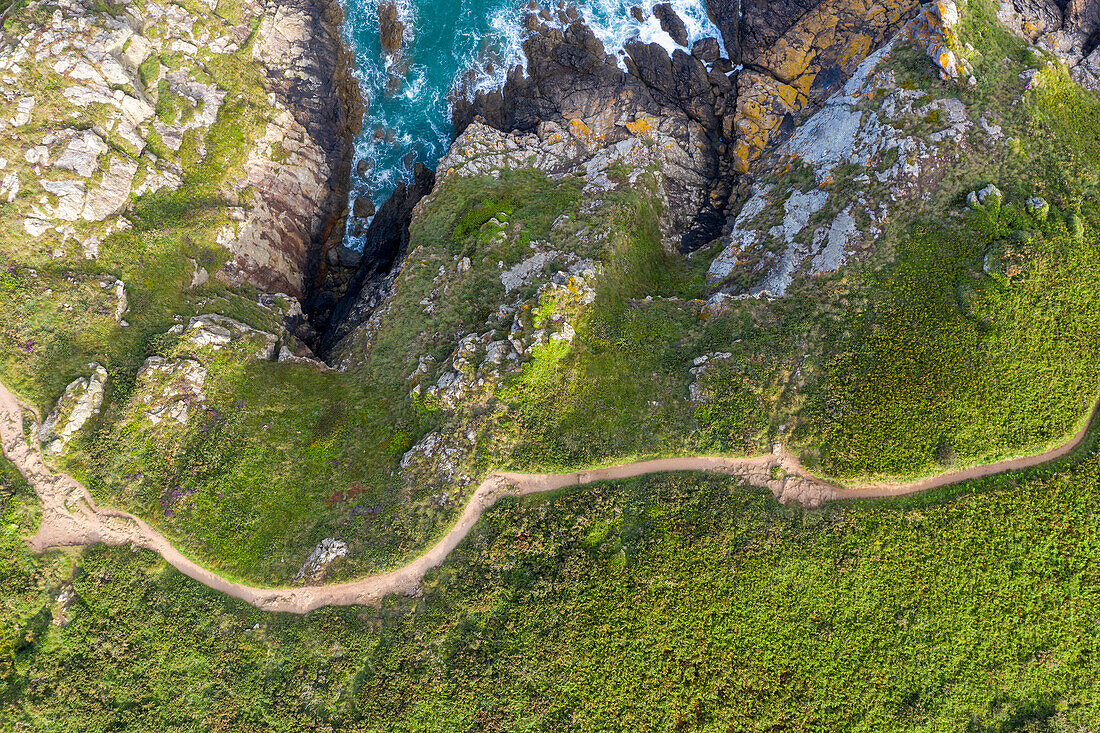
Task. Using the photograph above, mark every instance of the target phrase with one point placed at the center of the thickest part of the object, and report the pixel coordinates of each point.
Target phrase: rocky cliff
(143, 111)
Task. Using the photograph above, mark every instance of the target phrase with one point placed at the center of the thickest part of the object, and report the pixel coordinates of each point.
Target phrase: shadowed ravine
(70, 517)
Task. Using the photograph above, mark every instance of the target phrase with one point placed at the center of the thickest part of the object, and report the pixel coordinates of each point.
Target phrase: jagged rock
(23, 110)
(364, 207)
(70, 199)
(82, 399)
(800, 69)
(671, 23)
(199, 275)
(867, 125)
(9, 187)
(934, 31)
(706, 50)
(1069, 29)
(523, 273)
(384, 243)
(391, 28)
(113, 193)
(327, 552)
(572, 82)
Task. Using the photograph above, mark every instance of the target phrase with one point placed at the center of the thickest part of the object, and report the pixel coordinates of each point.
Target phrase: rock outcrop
(141, 105)
(789, 77)
(391, 27)
(301, 171)
(1070, 29)
(81, 401)
(571, 81)
(874, 126)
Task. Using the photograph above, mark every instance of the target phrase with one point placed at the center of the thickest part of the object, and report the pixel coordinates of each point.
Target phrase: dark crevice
(355, 280)
(1091, 44)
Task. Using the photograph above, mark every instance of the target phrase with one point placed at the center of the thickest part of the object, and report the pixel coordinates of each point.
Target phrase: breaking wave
(408, 117)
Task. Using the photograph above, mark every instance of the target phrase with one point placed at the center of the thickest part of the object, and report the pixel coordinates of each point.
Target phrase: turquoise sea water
(408, 118)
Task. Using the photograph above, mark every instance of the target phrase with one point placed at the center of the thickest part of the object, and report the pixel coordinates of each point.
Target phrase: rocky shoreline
(142, 84)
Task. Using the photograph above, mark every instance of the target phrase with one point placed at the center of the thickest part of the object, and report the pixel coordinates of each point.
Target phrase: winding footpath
(70, 516)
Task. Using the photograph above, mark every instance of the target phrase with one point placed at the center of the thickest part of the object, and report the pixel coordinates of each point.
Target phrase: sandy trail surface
(70, 516)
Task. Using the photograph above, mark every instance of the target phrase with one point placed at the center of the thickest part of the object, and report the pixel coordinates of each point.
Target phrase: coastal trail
(71, 518)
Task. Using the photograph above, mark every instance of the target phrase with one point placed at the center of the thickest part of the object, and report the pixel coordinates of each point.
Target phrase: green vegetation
(957, 340)
(672, 603)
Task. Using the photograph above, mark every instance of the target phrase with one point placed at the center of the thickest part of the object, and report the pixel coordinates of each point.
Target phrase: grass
(914, 361)
(668, 603)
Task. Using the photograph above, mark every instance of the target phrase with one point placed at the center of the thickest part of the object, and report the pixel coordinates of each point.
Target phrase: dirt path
(71, 518)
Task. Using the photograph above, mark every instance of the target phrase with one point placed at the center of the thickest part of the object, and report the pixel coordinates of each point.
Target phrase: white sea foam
(415, 118)
(611, 22)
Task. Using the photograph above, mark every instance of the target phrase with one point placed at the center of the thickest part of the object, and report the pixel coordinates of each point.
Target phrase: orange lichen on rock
(806, 65)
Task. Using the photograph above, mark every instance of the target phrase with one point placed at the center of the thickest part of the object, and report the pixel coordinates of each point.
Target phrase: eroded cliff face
(1068, 28)
(571, 80)
(145, 114)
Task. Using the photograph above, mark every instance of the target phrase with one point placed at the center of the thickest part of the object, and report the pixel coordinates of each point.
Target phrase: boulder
(671, 23)
(390, 27)
(706, 50)
(82, 399)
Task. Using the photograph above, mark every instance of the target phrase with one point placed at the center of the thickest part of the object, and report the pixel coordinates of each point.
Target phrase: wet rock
(706, 50)
(671, 23)
(364, 207)
(638, 14)
(391, 28)
(384, 244)
(573, 84)
(343, 257)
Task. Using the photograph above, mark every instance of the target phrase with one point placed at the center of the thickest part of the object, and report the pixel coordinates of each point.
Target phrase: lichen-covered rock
(167, 390)
(875, 131)
(1038, 207)
(934, 31)
(82, 399)
(789, 77)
